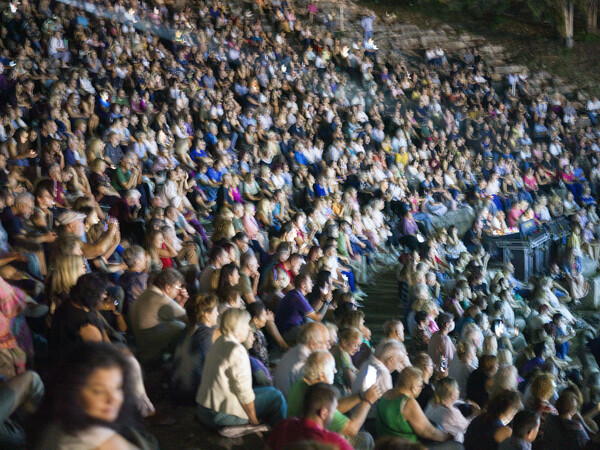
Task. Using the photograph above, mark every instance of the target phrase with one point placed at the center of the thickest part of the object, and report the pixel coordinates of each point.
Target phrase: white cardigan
(227, 378)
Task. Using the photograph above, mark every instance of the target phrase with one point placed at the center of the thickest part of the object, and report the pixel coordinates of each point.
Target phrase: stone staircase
(382, 302)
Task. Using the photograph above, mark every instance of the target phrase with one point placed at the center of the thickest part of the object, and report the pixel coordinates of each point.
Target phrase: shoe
(359, 292)
(237, 431)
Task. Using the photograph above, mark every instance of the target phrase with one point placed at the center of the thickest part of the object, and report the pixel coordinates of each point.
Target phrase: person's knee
(362, 441)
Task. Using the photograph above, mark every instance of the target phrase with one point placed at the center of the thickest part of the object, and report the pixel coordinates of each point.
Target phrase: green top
(342, 362)
(295, 402)
(342, 248)
(120, 178)
(389, 420)
(245, 285)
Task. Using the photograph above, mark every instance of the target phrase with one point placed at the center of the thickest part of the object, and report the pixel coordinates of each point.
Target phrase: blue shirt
(320, 191)
(197, 153)
(291, 311)
(214, 175)
(300, 158)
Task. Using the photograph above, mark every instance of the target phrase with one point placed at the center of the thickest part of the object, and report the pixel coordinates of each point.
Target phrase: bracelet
(363, 398)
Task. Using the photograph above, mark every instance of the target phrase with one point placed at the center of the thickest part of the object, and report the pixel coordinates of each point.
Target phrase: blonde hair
(408, 376)
(505, 357)
(94, 150)
(542, 386)
(505, 378)
(490, 345)
(463, 348)
(350, 334)
(223, 229)
(232, 318)
(65, 274)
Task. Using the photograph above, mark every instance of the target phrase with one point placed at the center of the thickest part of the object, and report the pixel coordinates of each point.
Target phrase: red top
(293, 430)
(290, 274)
(166, 262)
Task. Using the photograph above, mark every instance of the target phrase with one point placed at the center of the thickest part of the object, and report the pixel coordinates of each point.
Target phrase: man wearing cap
(72, 222)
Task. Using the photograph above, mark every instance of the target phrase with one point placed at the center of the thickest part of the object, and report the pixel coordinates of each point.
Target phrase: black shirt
(66, 324)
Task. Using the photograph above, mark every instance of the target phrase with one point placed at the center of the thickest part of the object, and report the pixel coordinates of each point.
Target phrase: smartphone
(370, 378)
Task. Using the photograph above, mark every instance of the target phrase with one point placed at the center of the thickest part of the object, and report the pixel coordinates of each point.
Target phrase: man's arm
(318, 316)
(91, 251)
(25, 240)
(357, 420)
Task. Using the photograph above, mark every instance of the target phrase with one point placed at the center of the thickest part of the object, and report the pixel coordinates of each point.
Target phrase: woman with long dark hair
(89, 403)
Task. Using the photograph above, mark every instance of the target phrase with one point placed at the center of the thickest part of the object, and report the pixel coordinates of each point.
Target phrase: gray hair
(24, 197)
(133, 193)
(315, 365)
(133, 254)
(311, 332)
(389, 348)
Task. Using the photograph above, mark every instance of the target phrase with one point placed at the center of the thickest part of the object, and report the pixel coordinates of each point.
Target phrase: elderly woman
(225, 396)
(463, 364)
(444, 412)
(398, 413)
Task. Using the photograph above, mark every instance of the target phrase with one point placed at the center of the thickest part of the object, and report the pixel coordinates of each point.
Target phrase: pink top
(568, 177)
(433, 326)
(513, 217)
(531, 183)
(235, 194)
(250, 226)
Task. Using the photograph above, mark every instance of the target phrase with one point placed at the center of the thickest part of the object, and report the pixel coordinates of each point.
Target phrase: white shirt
(56, 45)
(226, 379)
(593, 106)
(289, 369)
(460, 372)
(450, 420)
(383, 379)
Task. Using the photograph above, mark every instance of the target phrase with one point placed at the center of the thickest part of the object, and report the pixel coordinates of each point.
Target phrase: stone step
(406, 43)
(491, 49)
(505, 70)
(454, 45)
(428, 41)
(495, 62)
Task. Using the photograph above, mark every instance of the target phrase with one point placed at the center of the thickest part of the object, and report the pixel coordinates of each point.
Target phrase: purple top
(291, 311)
(408, 227)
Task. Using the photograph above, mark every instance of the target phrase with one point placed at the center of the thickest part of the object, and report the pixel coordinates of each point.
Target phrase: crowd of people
(205, 190)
